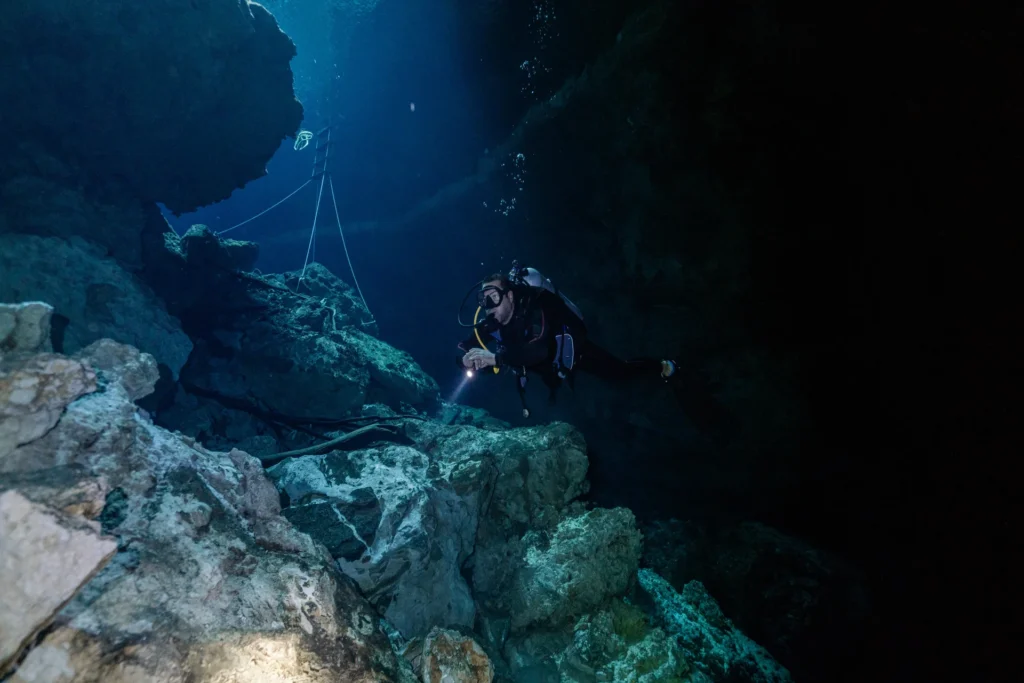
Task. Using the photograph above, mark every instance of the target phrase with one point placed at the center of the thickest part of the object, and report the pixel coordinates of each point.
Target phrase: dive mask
(490, 297)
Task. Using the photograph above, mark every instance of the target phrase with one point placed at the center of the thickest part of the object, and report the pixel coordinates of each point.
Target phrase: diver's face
(502, 311)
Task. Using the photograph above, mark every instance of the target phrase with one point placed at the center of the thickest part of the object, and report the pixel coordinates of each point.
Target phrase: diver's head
(496, 298)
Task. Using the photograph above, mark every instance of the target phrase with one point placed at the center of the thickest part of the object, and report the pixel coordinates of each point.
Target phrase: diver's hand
(478, 358)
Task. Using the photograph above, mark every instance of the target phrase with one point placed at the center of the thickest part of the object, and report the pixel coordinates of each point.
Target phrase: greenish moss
(630, 622)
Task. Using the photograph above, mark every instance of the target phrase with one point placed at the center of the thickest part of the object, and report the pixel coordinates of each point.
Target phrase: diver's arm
(471, 342)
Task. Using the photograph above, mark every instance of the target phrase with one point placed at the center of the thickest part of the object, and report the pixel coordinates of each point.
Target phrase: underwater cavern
(727, 398)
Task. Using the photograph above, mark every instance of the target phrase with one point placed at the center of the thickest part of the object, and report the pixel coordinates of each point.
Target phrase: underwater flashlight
(469, 373)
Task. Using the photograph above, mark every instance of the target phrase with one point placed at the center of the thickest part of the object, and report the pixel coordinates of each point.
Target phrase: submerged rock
(25, 327)
(711, 643)
(585, 561)
(204, 93)
(92, 297)
(410, 523)
(33, 394)
(209, 580)
(450, 657)
(264, 342)
(399, 532)
(203, 249)
(45, 558)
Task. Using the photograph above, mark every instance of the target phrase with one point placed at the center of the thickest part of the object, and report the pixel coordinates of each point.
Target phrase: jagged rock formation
(712, 644)
(584, 561)
(207, 81)
(408, 523)
(616, 643)
(208, 581)
(273, 345)
(480, 528)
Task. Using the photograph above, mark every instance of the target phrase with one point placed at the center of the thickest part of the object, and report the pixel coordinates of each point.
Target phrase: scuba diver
(539, 330)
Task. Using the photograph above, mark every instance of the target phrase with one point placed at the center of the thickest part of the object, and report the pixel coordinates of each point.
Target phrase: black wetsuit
(528, 342)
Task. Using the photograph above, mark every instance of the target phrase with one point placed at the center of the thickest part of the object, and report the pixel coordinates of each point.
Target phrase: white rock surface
(209, 581)
(45, 557)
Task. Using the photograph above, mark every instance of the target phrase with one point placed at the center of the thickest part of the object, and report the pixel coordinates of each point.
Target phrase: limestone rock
(213, 113)
(70, 489)
(394, 371)
(203, 249)
(583, 562)
(615, 644)
(405, 521)
(540, 472)
(45, 558)
(34, 393)
(25, 327)
(450, 657)
(302, 356)
(209, 580)
(92, 296)
(136, 373)
(711, 643)
(320, 283)
(400, 533)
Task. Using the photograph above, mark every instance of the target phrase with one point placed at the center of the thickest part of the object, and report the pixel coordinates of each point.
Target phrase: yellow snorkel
(476, 331)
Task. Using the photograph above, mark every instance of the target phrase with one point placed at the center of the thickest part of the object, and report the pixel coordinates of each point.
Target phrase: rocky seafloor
(232, 531)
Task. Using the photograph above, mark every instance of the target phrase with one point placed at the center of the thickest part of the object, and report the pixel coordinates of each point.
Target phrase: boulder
(203, 93)
(450, 657)
(209, 580)
(45, 558)
(25, 327)
(261, 343)
(135, 373)
(712, 645)
(399, 532)
(615, 644)
(416, 520)
(585, 561)
(69, 489)
(91, 295)
(34, 392)
(203, 249)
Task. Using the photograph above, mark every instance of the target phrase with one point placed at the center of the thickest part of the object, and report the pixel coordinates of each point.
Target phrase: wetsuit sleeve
(471, 341)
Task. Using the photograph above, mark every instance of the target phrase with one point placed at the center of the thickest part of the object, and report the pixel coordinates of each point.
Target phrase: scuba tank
(523, 275)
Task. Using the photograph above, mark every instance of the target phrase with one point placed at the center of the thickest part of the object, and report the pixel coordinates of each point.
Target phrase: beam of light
(461, 386)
